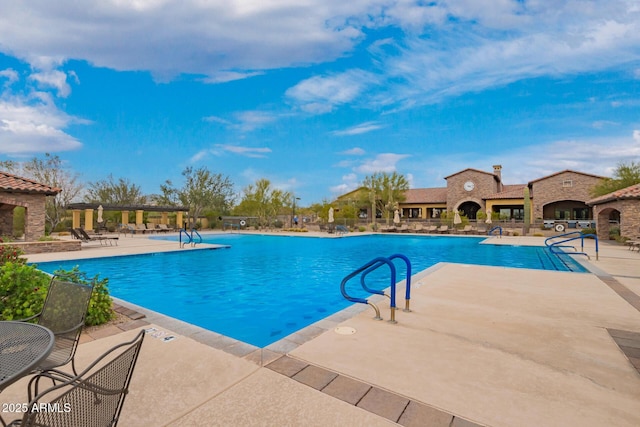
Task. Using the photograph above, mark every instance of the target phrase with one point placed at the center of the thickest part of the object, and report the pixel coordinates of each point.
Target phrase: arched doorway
(607, 222)
(470, 209)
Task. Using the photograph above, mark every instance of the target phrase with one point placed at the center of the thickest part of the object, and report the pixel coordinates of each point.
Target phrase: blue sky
(314, 95)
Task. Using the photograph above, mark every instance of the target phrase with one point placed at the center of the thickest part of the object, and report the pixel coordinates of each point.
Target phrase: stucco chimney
(497, 171)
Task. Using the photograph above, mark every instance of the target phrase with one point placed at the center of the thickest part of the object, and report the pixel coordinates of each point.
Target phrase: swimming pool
(264, 288)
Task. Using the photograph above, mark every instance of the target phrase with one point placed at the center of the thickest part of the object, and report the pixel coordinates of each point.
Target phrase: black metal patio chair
(63, 312)
(94, 398)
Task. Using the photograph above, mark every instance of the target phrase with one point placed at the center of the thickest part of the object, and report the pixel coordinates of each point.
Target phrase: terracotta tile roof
(631, 192)
(515, 191)
(15, 184)
(426, 195)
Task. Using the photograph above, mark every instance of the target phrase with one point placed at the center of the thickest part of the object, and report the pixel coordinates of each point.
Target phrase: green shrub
(12, 254)
(362, 229)
(23, 289)
(588, 231)
(100, 310)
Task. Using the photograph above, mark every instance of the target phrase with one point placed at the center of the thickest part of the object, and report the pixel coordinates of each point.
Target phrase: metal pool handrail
(189, 237)
(581, 237)
(497, 227)
(571, 233)
(379, 261)
(407, 297)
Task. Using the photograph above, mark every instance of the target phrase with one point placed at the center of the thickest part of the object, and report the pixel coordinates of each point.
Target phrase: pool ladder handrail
(497, 227)
(581, 237)
(407, 297)
(189, 237)
(570, 233)
(368, 268)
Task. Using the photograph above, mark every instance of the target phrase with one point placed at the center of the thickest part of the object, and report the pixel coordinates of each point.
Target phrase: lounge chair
(341, 229)
(164, 228)
(139, 228)
(418, 228)
(443, 229)
(431, 229)
(92, 398)
(404, 228)
(84, 237)
(467, 229)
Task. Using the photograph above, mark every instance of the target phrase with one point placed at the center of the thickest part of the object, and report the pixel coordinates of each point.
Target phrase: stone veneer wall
(47, 247)
(550, 190)
(629, 217)
(485, 185)
(34, 216)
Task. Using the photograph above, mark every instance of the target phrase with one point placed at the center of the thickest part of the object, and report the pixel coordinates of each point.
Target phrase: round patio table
(22, 347)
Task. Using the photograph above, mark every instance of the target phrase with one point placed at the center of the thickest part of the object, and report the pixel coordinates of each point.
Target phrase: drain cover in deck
(345, 330)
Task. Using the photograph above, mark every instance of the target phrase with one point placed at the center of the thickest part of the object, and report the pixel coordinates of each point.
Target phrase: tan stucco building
(561, 196)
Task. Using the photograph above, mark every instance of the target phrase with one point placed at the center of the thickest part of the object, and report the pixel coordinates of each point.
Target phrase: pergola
(89, 208)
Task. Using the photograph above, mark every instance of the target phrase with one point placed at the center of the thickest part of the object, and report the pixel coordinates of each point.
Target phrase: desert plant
(23, 289)
(100, 306)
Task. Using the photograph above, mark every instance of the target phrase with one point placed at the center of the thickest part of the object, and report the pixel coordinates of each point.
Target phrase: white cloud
(256, 152)
(54, 79)
(213, 38)
(250, 120)
(216, 119)
(492, 43)
(229, 76)
(349, 183)
(359, 129)
(10, 75)
(245, 121)
(321, 94)
(355, 151)
(599, 124)
(385, 162)
(30, 126)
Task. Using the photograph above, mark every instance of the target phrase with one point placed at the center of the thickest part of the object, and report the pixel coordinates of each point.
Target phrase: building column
(125, 217)
(75, 215)
(139, 217)
(164, 218)
(179, 219)
(88, 219)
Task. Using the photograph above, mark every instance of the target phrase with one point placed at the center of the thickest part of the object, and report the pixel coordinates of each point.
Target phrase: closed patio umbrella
(331, 215)
(100, 209)
(457, 219)
(488, 220)
(396, 217)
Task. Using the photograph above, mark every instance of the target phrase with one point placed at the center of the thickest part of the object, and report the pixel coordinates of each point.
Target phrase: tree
(9, 166)
(385, 192)
(201, 190)
(120, 193)
(263, 201)
(51, 171)
(625, 175)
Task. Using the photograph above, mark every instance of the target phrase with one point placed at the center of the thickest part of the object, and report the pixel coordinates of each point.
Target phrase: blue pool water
(264, 288)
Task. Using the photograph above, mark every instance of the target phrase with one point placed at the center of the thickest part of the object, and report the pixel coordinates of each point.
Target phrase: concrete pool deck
(485, 346)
